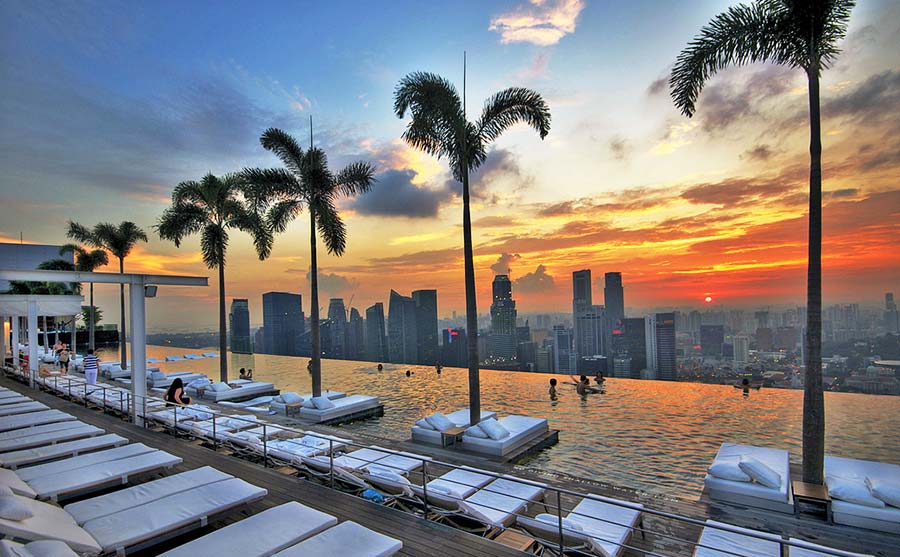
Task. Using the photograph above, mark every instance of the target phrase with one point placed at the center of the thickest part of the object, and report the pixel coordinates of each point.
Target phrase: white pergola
(31, 306)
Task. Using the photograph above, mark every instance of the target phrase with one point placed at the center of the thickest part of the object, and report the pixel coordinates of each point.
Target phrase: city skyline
(684, 208)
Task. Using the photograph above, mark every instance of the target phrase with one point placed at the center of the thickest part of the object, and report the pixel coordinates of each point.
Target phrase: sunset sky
(107, 105)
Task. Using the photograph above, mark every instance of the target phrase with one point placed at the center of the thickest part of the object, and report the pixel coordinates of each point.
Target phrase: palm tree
(211, 207)
(87, 261)
(118, 241)
(797, 34)
(439, 127)
(306, 182)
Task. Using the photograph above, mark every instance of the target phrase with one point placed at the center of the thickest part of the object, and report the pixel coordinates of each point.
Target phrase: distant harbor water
(653, 436)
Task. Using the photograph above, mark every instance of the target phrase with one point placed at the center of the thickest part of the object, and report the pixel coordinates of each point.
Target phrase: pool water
(654, 436)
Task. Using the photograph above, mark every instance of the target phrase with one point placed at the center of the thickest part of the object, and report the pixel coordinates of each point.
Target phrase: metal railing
(337, 473)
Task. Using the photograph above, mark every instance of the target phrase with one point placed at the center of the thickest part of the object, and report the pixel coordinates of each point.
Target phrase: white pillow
(567, 523)
(40, 548)
(308, 403)
(760, 472)
(439, 421)
(424, 424)
(322, 402)
(494, 429)
(219, 387)
(291, 398)
(5, 491)
(445, 490)
(852, 490)
(311, 441)
(13, 509)
(728, 469)
(249, 437)
(887, 491)
(476, 432)
(384, 473)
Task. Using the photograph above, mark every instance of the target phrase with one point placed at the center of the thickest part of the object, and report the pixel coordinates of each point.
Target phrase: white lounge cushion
(476, 432)
(262, 534)
(887, 491)
(11, 508)
(459, 483)
(423, 423)
(387, 474)
(219, 387)
(439, 421)
(728, 469)
(10, 479)
(322, 402)
(48, 452)
(308, 403)
(291, 398)
(493, 429)
(567, 523)
(852, 490)
(446, 489)
(76, 462)
(41, 548)
(50, 523)
(347, 538)
(760, 472)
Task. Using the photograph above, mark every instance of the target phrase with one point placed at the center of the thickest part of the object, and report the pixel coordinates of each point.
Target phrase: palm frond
(187, 192)
(282, 213)
(331, 227)
(356, 178)
(74, 249)
(512, 106)
(284, 146)
(179, 221)
(213, 244)
(92, 260)
(270, 182)
(81, 233)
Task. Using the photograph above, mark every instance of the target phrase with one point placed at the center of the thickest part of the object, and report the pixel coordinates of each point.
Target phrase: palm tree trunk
(813, 395)
(471, 305)
(315, 341)
(123, 334)
(91, 320)
(223, 348)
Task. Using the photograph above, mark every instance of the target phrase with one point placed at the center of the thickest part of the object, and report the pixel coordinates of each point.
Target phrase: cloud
(841, 193)
(534, 282)
(761, 152)
(740, 192)
(535, 69)
(500, 221)
(395, 195)
(501, 267)
(874, 99)
(658, 86)
(333, 284)
(726, 101)
(620, 148)
(542, 22)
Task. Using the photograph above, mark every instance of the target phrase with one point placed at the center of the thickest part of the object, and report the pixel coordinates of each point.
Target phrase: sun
(708, 299)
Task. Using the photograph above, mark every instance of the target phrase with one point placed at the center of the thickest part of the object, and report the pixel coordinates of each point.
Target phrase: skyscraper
(239, 320)
(591, 331)
(376, 342)
(712, 337)
(652, 367)
(283, 323)
(563, 353)
(426, 326)
(614, 297)
(502, 340)
(337, 315)
(581, 290)
(891, 315)
(402, 335)
(355, 335)
(455, 347)
(665, 347)
(741, 349)
(629, 340)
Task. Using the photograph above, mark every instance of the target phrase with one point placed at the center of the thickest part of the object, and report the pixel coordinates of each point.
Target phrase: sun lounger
(247, 389)
(14, 399)
(210, 355)
(22, 408)
(38, 430)
(8, 393)
(116, 472)
(192, 356)
(34, 455)
(714, 542)
(460, 418)
(344, 406)
(174, 358)
(258, 401)
(447, 490)
(499, 502)
(600, 524)
(82, 461)
(294, 450)
(223, 425)
(522, 429)
(347, 538)
(40, 548)
(160, 380)
(751, 493)
(134, 527)
(885, 519)
(77, 431)
(272, 531)
(34, 418)
(187, 413)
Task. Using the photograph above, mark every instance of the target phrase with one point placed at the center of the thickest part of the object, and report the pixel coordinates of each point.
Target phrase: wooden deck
(663, 536)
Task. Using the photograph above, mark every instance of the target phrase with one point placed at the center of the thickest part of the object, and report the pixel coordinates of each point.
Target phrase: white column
(138, 348)
(3, 320)
(32, 340)
(74, 337)
(16, 322)
(46, 336)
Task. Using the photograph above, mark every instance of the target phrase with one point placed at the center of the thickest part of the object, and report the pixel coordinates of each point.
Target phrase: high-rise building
(741, 349)
(239, 321)
(564, 358)
(355, 336)
(501, 343)
(402, 334)
(665, 347)
(652, 367)
(891, 315)
(712, 337)
(426, 326)
(337, 315)
(629, 341)
(454, 348)
(376, 341)
(581, 290)
(614, 297)
(283, 323)
(591, 328)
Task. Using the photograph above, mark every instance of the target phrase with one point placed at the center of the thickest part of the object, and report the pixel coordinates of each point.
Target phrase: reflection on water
(650, 435)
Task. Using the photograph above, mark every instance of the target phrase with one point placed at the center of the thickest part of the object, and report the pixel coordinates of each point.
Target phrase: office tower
(564, 358)
(741, 349)
(239, 321)
(376, 341)
(454, 348)
(591, 331)
(523, 333)
(891, 315)
(402, 335)
(543, 358)
(283, 323)
(764, 339)
(259, 340)
(337, 331)
(526, 354)
(629, 341)
(711, 339)
(355, 336)
(426, 326)
(665, 347)
(652, 367)
(694, 319)
(762, 319)
(501, 343)
(614, 297)
(581, 290)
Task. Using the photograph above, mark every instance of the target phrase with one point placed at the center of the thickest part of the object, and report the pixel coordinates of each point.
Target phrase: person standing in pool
(553, 388)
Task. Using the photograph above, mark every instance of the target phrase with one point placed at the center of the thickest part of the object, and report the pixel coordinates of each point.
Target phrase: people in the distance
(408, 373)
(380, 367)
(91, 367)
(599, 378)
(64, 361)
(175, 393)
(553, 388)
(246, 373)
